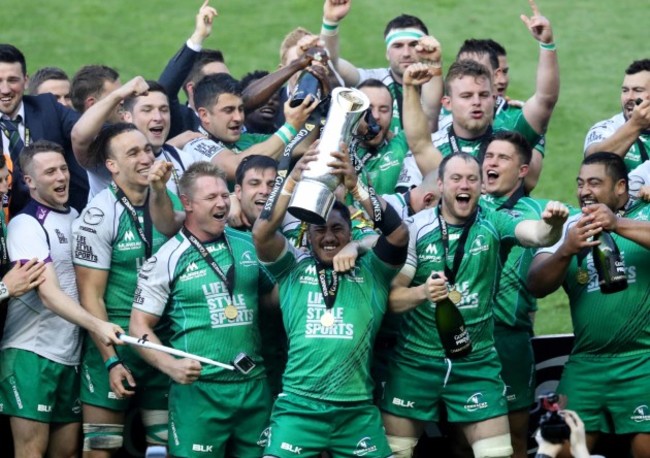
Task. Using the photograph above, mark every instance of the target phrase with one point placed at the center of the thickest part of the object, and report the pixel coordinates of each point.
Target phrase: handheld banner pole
(144, 343)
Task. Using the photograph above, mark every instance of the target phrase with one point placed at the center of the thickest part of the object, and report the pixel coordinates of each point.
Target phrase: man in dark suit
(25, 119)
(186, 68)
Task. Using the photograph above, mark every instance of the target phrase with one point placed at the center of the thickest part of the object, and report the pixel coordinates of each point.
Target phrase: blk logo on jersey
(291, 448)
(403, 403)
(202, 448)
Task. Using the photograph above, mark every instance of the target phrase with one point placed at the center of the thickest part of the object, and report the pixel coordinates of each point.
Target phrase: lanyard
(146, 233)
(396, 90)
(174, 174)
(330, 289)
(3, 246)
(642, 150)
(460, 250)
(316, 118)
(483, 139)
(407, 201)
(513, 199)
(227, 278)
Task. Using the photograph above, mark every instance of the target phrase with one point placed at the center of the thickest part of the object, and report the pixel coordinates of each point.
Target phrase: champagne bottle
(451, 329)
(609, 265)
(307, 85)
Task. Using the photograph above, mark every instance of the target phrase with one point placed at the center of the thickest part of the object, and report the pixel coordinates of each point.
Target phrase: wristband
(286, 133)
(4, 291)
(111, 362)
(329, 28)
(547, 46)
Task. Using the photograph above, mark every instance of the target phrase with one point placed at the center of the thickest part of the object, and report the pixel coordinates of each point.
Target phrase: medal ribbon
(484, 139)
(3, 247)
(513, 199)
(460, 249)
(329, 290)
(227, 278)
(407, 200)
(315, 119)
(642, 150)
(172, 151)
(146, 233)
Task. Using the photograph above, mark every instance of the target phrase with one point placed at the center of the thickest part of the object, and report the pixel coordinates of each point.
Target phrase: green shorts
(471, 387)
(611, 394)
(152, 385)
(517, 366)
(305, 427)
(38, 389)
(208, 418)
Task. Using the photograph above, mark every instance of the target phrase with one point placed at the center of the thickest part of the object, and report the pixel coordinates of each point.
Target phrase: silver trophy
(313, 197)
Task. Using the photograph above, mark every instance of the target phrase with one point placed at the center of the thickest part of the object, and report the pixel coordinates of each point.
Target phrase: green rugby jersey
(104, 237)
(385, 76)
(511, 120)
(611, 324)
(512, 301)
(179, 285)
(331, 363)
(382, 169)
(489, 239)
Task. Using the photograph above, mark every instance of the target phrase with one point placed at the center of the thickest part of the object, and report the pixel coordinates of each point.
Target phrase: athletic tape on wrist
(4, 291)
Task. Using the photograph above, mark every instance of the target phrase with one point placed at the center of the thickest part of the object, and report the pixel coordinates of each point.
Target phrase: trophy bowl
(313, 197)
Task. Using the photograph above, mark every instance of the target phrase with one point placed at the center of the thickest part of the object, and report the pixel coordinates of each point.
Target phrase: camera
(373, 127)
(552, 426)
(243, 363)
(307, 84)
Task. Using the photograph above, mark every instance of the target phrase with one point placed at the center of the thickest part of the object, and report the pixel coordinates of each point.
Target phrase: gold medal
(582, 276)
(327, 319)
(455, 296)
(230, 311)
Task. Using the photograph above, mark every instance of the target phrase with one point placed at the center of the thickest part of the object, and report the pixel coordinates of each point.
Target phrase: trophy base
(311, 202)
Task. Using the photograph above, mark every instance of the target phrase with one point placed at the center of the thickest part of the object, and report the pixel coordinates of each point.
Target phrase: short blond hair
(291, 40)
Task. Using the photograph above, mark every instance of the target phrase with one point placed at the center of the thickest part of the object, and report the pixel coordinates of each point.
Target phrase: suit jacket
(172, 78)
(47, 119)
